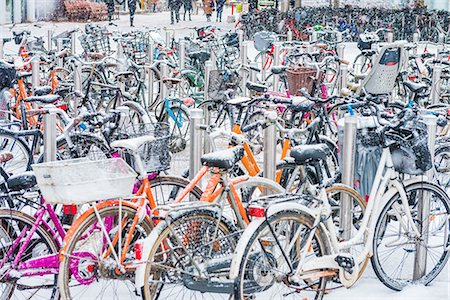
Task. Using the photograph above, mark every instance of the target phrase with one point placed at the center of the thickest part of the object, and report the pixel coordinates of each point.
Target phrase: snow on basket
(79, 181)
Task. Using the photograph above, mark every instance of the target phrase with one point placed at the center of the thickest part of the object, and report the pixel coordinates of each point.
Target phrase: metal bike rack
(339, 37)
(289, 36)
(276, 63)
(343, 78)
(151, 52)
(182, 54)
(436, 84)
(390, 37)
(314, 36)
(77, 83)
(35, 72)
(209, 66)
(164, 73)
(49, 39)
(415, 37)
(168, 38)
(73, 42)
(423, 208)
(348, 171)
(50, 133)
(59, 48)
(241, 38)
(196, 115)
(263, 70)
(270, 146)
(253, 75)
(243, 58)
(340, 49)
(120, 58)
(150, 79)
(441, 38)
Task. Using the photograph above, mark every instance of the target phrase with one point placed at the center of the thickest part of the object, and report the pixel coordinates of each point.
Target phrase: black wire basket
(155, 154)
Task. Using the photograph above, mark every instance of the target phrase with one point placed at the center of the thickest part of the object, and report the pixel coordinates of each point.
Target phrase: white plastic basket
(79, 181)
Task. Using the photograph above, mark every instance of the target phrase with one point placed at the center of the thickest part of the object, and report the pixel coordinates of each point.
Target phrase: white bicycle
(292, 250)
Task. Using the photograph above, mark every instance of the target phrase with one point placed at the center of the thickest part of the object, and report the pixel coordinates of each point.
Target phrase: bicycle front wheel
(395, 246)
(278, 243)
(88, 266)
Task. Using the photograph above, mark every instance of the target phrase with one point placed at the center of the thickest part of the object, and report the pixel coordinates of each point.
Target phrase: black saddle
(278, 70)
(21, 181)
(224, 159)
(22, 75)
(307, 153)
(415, 87)
(200, 55)
(302, 106)
(46, 99)
(259, 88)
(43, 90)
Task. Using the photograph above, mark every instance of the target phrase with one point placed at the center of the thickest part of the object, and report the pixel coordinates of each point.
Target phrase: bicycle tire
(19, 148)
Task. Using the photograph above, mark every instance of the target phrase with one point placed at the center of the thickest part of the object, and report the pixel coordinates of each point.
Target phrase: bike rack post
(436, 84)
(168, 38)
(343, 78)
(415, 37)
(253, 75)
(150, 80)
(164, 73)
(390, 37)
(348, 167)
(340, 49)
(270, 146)
(77, 83)
(49, 39)
(339, 37)
(73, 42)
(243, 62)
(263, 63)
(314, 36)
(241, 38)
(196, 115)
(289, 36)
(50, 133)
(209, 66)
(2, 53)
(441, 38)
(276, 63)
(182, 53)
(120, 58)
(35, 73)
(151, 52)
(423, 208)
(59, 48)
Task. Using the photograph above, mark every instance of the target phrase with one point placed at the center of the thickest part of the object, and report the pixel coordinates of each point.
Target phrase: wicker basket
(300, 77)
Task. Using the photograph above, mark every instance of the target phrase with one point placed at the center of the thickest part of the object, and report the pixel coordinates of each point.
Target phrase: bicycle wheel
(86, 145)
(264, 270)
(15, 284)
(442, 166)
(196, 237)
(178, 119)
(395, 244)
(22, 154)
(88, 269)
(165, 189)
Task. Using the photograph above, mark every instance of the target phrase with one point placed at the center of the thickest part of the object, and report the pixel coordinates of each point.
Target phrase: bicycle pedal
(345, 262)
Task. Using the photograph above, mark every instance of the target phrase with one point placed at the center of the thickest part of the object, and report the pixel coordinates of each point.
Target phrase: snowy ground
(368, 287)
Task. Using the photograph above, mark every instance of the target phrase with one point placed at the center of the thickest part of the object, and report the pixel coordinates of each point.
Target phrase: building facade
(18, 11)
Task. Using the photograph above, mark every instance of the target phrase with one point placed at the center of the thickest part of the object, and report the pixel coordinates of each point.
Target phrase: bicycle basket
(410, 152)
(264, 40)
(220, 83)
(80, 181)
(300, 77)
(155, 155)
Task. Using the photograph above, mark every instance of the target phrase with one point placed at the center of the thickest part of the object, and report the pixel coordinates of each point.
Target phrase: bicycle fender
(147, 245)
(248, 233)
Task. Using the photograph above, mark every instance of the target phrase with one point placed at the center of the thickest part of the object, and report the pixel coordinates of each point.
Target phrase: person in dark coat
(219, 8)
(132, 8)
(187, 5)
(174, 6)
(110, 6)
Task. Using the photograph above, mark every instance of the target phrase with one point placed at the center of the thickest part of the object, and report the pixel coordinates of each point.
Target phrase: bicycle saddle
(43, 90)
(278, 70)
(171, 80)
(306, 153)
(259, 88)
(46, 99)
(5, 156)
(200, 55)
(224, 159)
(22, 181)
(22, 75)
(301, 104)
(132, 144)
(415, 87)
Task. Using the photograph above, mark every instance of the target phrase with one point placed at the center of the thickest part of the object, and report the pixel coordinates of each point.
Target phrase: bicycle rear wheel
(395, 244)
(88, 269)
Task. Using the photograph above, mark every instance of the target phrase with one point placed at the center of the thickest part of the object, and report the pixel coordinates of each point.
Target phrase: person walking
(219, 9)
(110, 6)
(174, 6)
(187, 5)
(153, 4)
(208, 10)
(132, 8)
